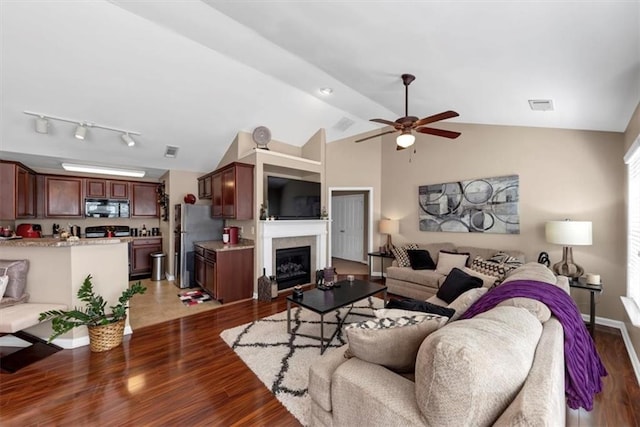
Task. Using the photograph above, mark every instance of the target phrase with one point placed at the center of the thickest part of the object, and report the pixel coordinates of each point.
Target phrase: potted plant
(105, 330)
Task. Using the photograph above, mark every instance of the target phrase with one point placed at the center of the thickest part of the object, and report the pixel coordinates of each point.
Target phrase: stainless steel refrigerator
(193, 224)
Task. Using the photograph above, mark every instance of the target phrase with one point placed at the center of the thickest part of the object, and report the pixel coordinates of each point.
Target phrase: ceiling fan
(405, 125)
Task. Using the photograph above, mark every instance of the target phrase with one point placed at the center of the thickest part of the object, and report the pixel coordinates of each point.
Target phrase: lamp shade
(389, 226)
(568, 233)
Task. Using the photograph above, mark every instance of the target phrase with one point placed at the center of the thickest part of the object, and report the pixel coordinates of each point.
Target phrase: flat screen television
(292, 198)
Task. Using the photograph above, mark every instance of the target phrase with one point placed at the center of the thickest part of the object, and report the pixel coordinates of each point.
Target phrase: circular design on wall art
(481, 221)
(504, 204)
(454, 225)
(441, 199)
(478, 191)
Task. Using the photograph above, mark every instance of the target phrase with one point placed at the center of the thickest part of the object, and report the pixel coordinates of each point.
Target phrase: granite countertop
(57, 243)
(218, 245)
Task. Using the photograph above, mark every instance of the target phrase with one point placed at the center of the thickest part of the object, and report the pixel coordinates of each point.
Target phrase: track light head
(42, 125)
(81, 131)
(126, 138)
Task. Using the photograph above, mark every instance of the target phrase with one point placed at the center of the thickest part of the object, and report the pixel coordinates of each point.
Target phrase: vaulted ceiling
(193, 73)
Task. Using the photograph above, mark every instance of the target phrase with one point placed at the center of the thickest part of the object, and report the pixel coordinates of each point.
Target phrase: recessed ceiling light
(326, 90)
(541, 104)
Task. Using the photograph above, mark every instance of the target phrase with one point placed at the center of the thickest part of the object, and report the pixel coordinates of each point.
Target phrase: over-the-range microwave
(106, 208)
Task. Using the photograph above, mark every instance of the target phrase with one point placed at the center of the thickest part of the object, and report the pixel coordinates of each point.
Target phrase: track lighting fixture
(42, 126)
(128, 140)
(81, 131)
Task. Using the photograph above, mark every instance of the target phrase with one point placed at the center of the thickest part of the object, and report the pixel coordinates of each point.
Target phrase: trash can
(157, 266)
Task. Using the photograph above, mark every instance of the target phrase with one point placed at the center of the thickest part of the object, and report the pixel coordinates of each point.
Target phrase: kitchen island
(58, 268)
(225, 270)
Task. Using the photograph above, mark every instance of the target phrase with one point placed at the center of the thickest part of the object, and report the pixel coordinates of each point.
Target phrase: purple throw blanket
(583, 367)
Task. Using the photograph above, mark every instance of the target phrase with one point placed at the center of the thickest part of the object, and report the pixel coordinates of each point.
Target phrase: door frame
(368, 212)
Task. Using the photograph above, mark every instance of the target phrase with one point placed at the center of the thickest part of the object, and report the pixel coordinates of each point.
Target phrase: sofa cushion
(435, 248)
(464, 301)
(427, 278)
(487, 280)
(532, 271)
(400, 253)
(392, 343)
(17, 271)
(457, 283)
(420, 259)
(448, 261)
(468, 372)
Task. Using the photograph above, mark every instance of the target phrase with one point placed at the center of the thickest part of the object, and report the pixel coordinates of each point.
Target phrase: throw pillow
(487, 281)
(505, 258)
(9, 301)
(392, 343)
(17, 272)
(401, 255)
(489, 268)
(4, 281)
(456, 283)
(448, 261)
(418, 305)
(420, 259)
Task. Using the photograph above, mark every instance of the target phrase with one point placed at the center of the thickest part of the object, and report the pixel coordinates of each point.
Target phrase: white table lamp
(389, 227)
(568, 233)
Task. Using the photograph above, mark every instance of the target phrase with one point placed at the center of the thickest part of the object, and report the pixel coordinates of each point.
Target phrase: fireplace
(293, 266)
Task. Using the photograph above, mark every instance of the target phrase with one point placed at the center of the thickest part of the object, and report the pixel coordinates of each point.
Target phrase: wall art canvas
(487, 205)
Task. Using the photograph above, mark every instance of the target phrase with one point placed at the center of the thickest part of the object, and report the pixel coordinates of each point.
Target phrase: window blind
(632, 159)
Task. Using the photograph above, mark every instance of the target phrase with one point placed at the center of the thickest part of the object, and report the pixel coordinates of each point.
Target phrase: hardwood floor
(181, 373)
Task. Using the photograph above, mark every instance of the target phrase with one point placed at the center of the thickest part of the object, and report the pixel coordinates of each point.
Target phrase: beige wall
(632, 133)
(563, 174)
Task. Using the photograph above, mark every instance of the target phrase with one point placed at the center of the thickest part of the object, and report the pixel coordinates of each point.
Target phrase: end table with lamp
(382, 256)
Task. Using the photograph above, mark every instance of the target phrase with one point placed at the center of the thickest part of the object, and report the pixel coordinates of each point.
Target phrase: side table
(382, 257)
(580, 283)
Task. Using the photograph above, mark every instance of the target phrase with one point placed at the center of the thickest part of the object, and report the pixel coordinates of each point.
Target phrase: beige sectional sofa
(422, 284)
(504, 367)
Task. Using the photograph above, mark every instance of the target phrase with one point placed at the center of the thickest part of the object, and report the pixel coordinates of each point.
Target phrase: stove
(101, 231)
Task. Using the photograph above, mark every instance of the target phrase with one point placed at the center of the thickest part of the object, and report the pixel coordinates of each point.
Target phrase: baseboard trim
(69, 343)
(633, 356)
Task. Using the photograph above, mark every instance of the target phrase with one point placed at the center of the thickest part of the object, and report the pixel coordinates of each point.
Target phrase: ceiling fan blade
(385, 122)
(374, 136)
(436, 118)
(439, 132)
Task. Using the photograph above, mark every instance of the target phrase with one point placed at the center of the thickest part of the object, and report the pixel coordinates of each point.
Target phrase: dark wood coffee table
(323, 302)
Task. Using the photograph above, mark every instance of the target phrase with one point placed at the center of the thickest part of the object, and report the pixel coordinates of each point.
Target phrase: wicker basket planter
(106, 337)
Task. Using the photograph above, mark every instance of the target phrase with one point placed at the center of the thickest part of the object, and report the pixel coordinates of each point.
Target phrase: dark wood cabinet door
(216, 195)
(63, 197)
(200, 273)
(141, 251)
(118, 189)
(229, 193)
(95, 187)
(204, 187)
(144, 200)
(210, 279)
(244, 206)
(25, 193)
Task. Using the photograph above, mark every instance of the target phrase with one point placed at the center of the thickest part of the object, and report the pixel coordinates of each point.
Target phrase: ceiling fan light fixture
(405, 139)
(326, 90)
(81, 132)
(42, 125)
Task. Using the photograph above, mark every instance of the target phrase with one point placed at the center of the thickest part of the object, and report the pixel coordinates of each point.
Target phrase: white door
(347, 227)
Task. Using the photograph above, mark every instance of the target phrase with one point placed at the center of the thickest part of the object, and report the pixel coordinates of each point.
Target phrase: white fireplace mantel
(270, 230)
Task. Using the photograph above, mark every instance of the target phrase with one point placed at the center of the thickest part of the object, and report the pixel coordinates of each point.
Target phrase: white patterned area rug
(280, 360)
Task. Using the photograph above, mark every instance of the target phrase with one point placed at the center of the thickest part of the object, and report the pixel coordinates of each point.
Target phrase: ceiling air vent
(541, 104)
(171, 151)
(343, 124)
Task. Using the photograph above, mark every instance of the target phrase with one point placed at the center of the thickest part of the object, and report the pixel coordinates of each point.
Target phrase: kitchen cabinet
(144, 200)
(17, 192)
(139, 255)
(63, 197)
(227, 275)
(232, 192)
(107, 189)
(204, 186)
